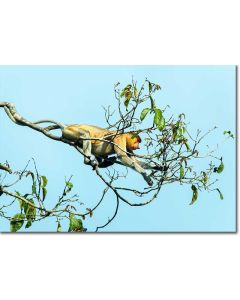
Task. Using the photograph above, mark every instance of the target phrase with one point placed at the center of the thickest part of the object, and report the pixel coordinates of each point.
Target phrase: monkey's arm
(150, 165)
(128, 161)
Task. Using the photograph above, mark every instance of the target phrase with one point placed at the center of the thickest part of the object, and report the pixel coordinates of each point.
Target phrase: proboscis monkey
(98, 143)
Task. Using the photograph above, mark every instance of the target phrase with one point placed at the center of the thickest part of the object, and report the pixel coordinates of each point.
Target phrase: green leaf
(32, 175)
(205, 178)
(220, 168)
(30, 211)
(126, 102)
(125, 90)
(59, 227)
(220, 194)
(44, 191)
(135, 92)
(29, 224)
(159, 120)
(134, 135)
(144, 113)
(69, 184)
(44, 184)
(16, 222)
(180, 132)
(34, 188)
(127, 93)
(75, 224)
(181, 172)
(229, 133)
(90, 212)
(153, 106)
(195, 194)
(122, 93)
(174, 130)
(44, 181)
(187, 146)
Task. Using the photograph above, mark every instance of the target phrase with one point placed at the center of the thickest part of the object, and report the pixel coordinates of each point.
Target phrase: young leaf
(69, 186)
(144, 113)
(59, 227)
(195, 194)
(181, 172)
(220, 194)
(16, 222)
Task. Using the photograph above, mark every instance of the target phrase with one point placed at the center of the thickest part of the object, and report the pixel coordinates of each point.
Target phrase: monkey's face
(133, 143)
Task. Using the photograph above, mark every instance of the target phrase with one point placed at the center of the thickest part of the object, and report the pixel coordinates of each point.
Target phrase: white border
(118, 266)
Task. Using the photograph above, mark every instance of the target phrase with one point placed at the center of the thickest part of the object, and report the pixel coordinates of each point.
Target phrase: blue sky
(76, 94)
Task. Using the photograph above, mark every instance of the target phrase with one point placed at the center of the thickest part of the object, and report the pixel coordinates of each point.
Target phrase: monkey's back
(100, 148)
(77, 131)
(94, 130)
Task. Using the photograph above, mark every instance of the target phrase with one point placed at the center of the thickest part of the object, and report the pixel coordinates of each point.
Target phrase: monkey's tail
(60, 125)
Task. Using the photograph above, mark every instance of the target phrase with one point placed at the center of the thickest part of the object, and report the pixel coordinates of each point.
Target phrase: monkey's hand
(148, 179)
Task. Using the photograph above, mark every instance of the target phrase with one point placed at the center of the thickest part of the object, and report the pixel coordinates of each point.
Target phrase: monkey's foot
(94, 163)
(91, 161)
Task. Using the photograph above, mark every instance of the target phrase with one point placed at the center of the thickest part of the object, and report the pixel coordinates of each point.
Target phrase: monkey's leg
(84, 138)
(106, 162)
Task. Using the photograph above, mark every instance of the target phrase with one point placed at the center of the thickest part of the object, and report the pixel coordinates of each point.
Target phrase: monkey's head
(133, 141)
